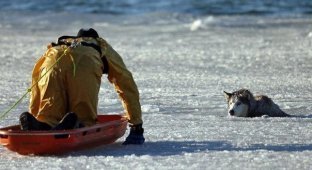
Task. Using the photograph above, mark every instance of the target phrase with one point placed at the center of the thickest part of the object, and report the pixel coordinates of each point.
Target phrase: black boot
(69, 121)
(29, 122)
(135, 136)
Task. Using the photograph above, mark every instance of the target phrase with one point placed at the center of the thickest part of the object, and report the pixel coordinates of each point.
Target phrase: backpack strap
(61, 41)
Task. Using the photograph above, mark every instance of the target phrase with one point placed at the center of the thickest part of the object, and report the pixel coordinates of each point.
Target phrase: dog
(242, 103)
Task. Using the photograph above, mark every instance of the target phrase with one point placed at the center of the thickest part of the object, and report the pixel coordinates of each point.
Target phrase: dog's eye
(239, 103)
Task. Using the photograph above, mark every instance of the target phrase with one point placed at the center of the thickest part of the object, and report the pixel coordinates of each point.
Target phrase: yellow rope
(29, 89)
(15, 104)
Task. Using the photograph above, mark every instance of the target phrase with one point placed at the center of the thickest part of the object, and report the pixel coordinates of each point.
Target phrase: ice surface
(181, 73)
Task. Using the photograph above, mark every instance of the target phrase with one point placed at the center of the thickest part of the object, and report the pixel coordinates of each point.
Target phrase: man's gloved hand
(135, 136)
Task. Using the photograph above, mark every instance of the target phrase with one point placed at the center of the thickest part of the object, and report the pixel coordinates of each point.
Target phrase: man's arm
(125, 86)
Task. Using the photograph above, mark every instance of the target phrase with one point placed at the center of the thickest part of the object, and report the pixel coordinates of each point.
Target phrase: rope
(12, 107)
(2, 115)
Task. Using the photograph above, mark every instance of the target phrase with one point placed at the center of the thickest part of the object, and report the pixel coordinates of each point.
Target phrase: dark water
(195, 7)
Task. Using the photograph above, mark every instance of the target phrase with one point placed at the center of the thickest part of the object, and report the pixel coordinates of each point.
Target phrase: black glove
(135, 136)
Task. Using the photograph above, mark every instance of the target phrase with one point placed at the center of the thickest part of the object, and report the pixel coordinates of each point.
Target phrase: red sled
(107, 130)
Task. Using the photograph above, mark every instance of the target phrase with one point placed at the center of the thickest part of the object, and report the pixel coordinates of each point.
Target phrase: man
(66, 82)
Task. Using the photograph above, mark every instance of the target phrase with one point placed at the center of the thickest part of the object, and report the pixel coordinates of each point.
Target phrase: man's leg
(83, 86)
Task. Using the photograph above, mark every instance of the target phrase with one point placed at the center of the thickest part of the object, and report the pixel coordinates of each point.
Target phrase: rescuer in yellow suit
(66, 82)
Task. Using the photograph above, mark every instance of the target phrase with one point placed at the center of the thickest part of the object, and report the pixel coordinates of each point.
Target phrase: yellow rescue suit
(73, 83)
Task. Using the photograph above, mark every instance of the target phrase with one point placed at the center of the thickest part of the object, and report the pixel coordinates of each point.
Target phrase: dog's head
(238, 102)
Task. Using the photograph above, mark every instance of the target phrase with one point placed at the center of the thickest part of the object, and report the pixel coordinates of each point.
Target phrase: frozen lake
(181, 65)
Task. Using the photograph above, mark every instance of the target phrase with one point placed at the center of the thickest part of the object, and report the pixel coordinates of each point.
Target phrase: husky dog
(242, 103)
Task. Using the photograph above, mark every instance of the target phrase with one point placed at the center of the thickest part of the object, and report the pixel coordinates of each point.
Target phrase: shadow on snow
(170, 148)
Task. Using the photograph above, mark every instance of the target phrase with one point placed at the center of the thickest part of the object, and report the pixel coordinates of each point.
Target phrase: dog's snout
(231, 112)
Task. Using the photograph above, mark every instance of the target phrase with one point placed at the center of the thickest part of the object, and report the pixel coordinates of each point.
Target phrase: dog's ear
(227, 95)
(248, 94)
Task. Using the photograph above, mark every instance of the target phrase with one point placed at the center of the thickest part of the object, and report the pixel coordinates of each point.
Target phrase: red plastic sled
(108, 129)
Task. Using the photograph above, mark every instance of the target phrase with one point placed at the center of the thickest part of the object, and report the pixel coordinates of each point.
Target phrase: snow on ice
(181, 75)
